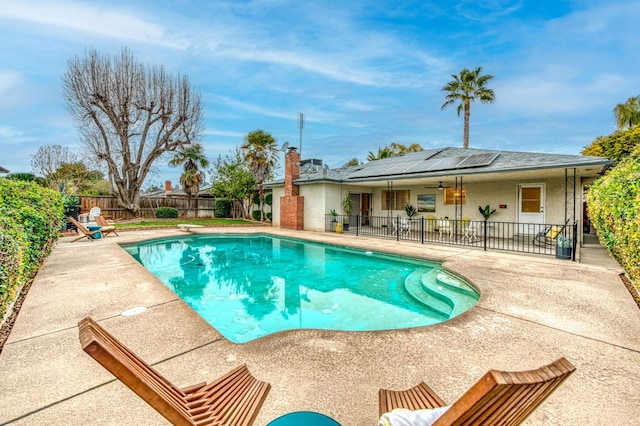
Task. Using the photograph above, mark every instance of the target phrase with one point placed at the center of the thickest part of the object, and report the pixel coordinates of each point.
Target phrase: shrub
(614, 208)
(27, 177)
(257, 214)
(30, 218)
(269, 215)
(268, 199)
(166, 213)
(223, 207)
(70, 202)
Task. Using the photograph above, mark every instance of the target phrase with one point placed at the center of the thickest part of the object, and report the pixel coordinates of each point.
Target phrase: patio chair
(470, 231)
(105, 227)
(548, 236)
(233, 399)
(405, 227)
(444, 227)
(95, 211)
(464, 222)
(430, 223)
(498, 398)
(91, 235)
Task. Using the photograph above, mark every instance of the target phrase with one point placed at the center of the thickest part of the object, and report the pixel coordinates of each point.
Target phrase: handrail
(486, 234)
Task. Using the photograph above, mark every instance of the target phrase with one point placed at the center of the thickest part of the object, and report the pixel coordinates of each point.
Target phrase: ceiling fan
(440, 186)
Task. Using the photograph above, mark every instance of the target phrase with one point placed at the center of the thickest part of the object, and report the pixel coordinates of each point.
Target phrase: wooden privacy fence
(203, 207)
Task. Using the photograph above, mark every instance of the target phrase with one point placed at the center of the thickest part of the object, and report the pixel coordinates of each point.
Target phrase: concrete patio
(533, 310)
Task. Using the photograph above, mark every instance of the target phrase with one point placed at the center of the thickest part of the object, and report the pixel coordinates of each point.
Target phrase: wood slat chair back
(85, 232)
(498, 398)
(233, 399)
(105, 227)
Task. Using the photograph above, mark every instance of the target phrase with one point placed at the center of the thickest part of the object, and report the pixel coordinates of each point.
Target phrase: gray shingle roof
(448, 160)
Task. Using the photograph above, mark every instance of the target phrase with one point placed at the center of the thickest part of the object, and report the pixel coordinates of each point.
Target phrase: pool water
(249, 286)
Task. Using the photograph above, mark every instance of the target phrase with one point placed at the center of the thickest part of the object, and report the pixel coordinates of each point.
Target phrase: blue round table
(92, 228)
(306, 418)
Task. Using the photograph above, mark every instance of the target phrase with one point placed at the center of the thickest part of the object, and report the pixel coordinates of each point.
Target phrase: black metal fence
(547, 239)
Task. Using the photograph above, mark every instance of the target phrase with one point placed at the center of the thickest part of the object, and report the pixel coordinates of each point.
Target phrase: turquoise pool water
(249, 286)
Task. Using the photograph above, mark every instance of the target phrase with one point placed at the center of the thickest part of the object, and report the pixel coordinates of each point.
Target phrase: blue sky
(365, 73)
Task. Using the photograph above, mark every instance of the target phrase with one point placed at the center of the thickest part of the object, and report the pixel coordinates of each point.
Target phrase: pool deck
(532, 311)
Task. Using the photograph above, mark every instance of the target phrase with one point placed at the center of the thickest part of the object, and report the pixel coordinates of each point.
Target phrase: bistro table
(92, 228)
(306, 418)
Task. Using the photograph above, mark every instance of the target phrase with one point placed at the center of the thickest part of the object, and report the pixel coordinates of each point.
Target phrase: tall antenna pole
(301, 126)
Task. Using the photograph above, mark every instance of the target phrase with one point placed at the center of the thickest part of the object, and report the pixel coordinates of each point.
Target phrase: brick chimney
(292, 204)
(167, 187)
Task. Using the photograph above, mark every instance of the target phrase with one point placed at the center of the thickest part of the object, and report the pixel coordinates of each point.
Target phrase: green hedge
(166, 213)
(30, 220)
(223, 207)
(614, 209)
(257, 214)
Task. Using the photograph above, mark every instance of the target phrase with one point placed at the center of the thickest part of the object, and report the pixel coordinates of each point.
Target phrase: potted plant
(410, 210)
(334, 220)
(346, 206)
(486, 211)
(71, 209)
(563, 248)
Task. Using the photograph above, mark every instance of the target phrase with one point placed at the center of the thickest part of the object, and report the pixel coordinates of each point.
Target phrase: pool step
(454, 284)
(464, 295)
(438, 303)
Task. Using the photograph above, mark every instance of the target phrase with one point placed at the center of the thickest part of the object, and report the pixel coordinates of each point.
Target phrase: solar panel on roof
(393, 165)
(479, 160)
(421, 162)
(447, 163)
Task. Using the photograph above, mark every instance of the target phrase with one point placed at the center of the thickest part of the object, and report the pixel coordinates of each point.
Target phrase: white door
(531, 208)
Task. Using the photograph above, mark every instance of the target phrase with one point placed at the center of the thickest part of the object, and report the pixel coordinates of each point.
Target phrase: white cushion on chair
(404, 417)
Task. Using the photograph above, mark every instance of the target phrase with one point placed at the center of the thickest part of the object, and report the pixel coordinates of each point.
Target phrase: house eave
(483, 171)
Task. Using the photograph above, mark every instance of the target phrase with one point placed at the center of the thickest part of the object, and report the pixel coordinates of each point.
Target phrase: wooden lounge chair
(233, 399)
(105, 227)
(498, 398)
(91, 235)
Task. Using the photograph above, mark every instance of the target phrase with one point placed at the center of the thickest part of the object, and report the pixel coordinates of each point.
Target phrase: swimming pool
(249, 286)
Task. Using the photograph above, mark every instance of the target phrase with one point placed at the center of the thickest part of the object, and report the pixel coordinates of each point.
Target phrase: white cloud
(8, 81)
(226, 133)
(12, 136)
(87, 18)
(244, 106)
(487, 10)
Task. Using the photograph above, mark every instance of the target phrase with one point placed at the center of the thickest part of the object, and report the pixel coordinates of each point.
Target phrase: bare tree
(129, 115)
(48, 159)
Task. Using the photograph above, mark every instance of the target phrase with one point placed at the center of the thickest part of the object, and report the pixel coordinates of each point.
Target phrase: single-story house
(523, 187)
(3, 170)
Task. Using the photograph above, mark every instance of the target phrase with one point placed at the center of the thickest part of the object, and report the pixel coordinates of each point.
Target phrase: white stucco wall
(314, 206)
(480, 194)
(275, 206)
(320, 198)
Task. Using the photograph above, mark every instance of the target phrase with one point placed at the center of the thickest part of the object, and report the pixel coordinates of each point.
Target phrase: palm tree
(392, 150)
(192, 157)
(261, 153)
(628, 113)
(466, 87)
(398, 148)
(382, 153)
